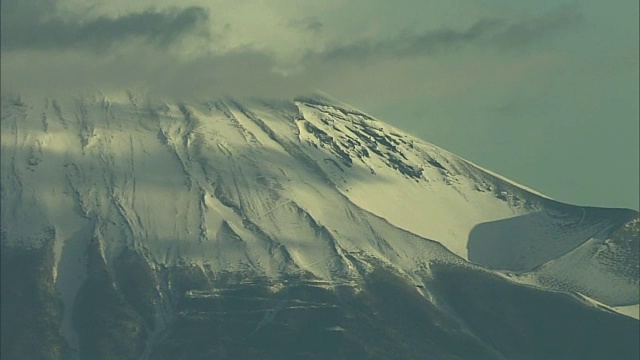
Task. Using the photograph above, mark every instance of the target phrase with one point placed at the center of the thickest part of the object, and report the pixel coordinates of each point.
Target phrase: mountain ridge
(303, 189)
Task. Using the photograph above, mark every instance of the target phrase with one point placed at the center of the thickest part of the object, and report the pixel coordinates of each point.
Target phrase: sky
(545, 93)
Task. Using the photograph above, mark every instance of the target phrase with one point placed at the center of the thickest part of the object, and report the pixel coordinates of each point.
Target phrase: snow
(605, 267)
(267, 187)
(632, 311)
(629, 310)
(508, 180)
(450, 202)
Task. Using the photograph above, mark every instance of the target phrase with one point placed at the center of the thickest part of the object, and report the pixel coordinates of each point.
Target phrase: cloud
(528, 31)
(251, 48)
(487, 32)
(35, 25)
(309, 23)
(154, 71)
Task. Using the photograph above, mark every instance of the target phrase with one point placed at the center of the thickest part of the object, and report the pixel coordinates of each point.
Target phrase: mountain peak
(301, 194)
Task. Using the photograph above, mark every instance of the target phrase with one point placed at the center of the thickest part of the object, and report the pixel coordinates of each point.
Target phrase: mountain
(135, 227)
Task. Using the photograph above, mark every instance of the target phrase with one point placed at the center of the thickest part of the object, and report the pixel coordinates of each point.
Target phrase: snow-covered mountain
(172, 209)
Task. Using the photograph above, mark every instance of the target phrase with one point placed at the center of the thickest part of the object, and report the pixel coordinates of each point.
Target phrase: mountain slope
(271, 193)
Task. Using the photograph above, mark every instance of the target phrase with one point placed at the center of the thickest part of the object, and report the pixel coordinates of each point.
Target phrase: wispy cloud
(246, 49)
(309, 23)
(34, 25)
(529, 31)
(488, 32)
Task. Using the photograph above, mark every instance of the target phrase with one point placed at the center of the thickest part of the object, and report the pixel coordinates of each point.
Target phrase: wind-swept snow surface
(272, 190)
(247, 185)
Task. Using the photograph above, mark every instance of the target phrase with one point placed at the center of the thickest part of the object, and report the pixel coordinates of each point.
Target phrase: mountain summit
(234, 228)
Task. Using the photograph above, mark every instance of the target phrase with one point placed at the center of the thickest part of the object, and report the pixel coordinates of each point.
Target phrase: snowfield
(275, 188)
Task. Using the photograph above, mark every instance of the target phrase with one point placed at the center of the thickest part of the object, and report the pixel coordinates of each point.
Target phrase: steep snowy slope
(306, 189)
(169, 178)
(604, 267)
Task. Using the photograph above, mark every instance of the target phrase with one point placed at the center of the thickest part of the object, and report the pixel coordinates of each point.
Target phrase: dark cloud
(42, 33)
(309, 23)
(492, 32)
(32, 25)
(154, 70)
(529, 31)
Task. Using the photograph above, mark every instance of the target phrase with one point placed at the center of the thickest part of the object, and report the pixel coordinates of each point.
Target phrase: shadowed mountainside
(140, 228)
